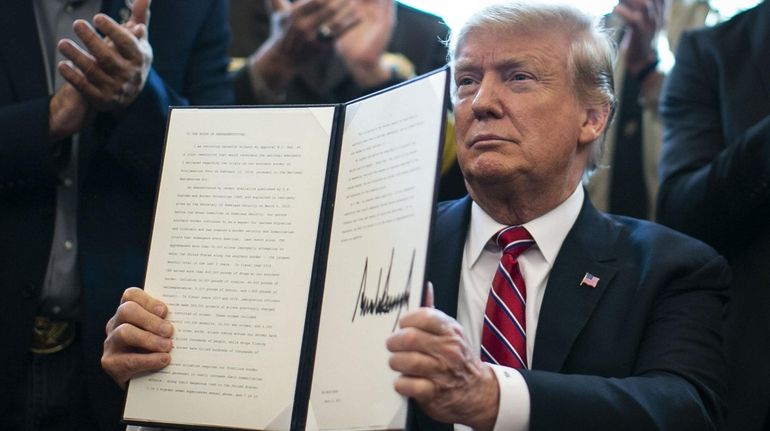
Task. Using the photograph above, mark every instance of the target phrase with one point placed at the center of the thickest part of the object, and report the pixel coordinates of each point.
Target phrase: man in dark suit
(715, 185)
(602, 322)
(79, 158)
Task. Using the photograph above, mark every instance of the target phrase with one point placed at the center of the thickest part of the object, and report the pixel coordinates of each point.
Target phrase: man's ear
(594, 124)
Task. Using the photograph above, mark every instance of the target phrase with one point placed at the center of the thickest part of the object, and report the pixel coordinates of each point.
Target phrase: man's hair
(591, 50)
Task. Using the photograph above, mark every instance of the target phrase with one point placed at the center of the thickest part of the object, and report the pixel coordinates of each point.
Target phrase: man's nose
(487, 102)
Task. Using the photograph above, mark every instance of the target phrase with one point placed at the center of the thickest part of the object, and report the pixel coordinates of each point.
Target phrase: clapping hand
(109, 71)
(303, 29)
(362, 46)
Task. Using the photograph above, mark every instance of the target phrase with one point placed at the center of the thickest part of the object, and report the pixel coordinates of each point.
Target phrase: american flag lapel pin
(589, 280)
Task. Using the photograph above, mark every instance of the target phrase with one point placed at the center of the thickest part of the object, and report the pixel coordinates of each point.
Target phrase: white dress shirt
(480, 260)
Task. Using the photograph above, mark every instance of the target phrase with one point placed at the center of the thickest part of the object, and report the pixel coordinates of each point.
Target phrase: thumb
(427, 295)
(140, 12)
(280, 5)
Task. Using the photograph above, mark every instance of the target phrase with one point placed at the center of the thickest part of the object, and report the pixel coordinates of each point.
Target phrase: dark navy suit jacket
(715, 185)
(118, 168)
(641, 351)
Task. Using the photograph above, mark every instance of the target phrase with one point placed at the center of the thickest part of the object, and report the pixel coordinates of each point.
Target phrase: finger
(345, 18)
(628, 15)
(72, 74)
(79, 57)
(343, 28)
(317, 12)
(414, 364)
(427, 296)
(85, 62)
(97, 46)
(121, 37)
(427, 319)
(92, 93)
(280, 5)
(140, 12)
(414, 387)
(124, 366)
(147, 301)
(75, 77)
(411, 340)
(134, 314)
(127, 337)
(110, 326)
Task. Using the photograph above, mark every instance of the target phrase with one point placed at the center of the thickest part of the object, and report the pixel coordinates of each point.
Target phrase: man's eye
(520, 76)
(465, 81)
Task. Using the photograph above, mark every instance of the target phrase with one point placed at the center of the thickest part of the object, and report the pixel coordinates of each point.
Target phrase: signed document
(287, 242)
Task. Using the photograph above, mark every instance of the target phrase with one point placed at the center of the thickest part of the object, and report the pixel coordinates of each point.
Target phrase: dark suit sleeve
(711, 189)
(135, 139)
(26, 156)
(677, 379)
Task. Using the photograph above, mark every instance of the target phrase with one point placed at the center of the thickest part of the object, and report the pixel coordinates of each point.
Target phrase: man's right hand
(138, 337)
(441, 371)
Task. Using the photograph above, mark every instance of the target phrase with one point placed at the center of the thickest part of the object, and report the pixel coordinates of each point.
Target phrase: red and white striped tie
(504, 337)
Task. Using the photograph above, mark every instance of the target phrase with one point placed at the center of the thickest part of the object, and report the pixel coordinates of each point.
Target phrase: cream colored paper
(232, 252)
(233, 249)
(377, 254)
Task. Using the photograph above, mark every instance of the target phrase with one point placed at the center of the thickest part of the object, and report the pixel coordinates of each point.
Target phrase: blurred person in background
(715, 185)
(626, 181)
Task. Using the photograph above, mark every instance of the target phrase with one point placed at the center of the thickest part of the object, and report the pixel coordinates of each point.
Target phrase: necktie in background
(504, 335)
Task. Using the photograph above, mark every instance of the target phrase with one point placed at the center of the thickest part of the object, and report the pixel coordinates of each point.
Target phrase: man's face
(517, 118)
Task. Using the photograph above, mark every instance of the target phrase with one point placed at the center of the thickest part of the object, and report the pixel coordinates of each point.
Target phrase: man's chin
(489, 173)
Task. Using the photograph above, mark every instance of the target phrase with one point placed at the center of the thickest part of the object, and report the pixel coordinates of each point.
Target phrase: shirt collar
(548, 230)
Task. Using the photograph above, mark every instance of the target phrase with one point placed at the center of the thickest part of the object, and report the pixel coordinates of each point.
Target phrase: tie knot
(514, 240)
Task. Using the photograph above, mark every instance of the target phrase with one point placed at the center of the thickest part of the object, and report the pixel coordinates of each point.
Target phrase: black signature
(383, 303)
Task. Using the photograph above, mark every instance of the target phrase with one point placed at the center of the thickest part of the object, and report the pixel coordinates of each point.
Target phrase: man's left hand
(441, 372)
(112, 70)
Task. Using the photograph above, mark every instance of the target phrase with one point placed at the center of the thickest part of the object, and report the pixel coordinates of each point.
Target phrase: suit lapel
(20, 52)
(447, 253)
(568, 304)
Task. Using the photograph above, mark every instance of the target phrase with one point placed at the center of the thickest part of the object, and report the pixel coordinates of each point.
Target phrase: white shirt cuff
(513, 411)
